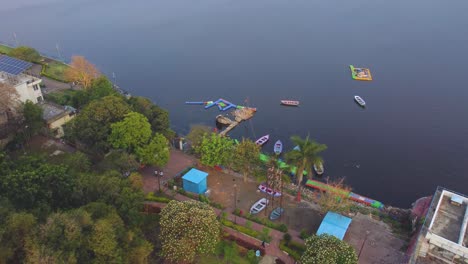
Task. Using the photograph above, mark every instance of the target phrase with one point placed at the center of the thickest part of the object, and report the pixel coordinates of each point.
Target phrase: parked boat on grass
(359, 100)
(262, 140)
(259, 206)
(278, 147)
(264, 188)
(290, 102)
(275, 214)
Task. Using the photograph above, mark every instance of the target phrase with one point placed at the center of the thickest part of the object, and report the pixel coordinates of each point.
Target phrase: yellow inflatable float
(361, 74)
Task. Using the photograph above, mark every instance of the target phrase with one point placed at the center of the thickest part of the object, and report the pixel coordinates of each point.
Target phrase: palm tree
(304, 157)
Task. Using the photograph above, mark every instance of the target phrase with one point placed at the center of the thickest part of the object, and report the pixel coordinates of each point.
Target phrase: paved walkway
(177, 162)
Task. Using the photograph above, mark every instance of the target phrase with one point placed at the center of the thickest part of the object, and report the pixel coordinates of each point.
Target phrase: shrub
(303, 234)
(251, 258)
(151, 197)
(293, 253)
(248, 224)
(265, 235)
(287, 238)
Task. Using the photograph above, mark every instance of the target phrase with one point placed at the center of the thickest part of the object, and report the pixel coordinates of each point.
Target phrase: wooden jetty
(240, 115)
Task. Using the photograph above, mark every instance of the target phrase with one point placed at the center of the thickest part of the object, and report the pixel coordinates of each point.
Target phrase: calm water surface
(412, 136)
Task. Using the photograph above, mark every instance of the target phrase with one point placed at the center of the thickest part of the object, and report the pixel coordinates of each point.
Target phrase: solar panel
(13, 66)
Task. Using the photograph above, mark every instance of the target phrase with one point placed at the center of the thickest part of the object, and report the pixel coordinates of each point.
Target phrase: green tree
(25, 53)
(32, 182)
(100, 87)
(215, 150)
(195, 136)
(92, 126)
(76, 162)
(156, 152)
(62, 239)
(326, 249)
(33, 121)
(119, 160)
(304, 157)
(103, 242)
(133, 132)
(16, 231)
(188, 229)
(246, 157)
(158, 117)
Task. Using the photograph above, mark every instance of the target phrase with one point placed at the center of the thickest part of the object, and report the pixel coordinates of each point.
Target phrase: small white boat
(278, 147)
(290, 102)
(262, 140)
(359, 100)
(319, 168)
(259, 206)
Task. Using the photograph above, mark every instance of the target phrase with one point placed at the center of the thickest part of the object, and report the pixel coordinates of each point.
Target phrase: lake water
(412, 136)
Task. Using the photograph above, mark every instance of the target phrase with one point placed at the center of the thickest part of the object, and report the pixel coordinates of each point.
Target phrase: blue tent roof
(195, 176)
(334, 224)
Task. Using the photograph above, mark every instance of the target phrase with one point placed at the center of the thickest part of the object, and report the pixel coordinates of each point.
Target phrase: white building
(444, 235)
(27, 87)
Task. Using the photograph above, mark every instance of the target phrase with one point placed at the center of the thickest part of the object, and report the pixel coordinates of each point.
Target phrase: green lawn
(4, 49)
(55, 70)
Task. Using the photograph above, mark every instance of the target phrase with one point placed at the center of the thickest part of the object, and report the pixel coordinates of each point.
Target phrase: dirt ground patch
(222, 188)
(381, 245)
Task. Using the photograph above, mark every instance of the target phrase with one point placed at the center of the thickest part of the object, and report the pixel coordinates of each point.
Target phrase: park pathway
(177, 163)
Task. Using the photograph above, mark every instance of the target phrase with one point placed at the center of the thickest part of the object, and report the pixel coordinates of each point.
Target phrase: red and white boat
(262, 140)
(290, 102)
(262, 187)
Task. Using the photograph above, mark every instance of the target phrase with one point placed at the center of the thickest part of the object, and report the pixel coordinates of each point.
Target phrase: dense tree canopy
(327, 249)
(33, 120)
(156, 152)
(215, 150)
(158, 117)
(92, 126)
(188, 229)
(196, 134)
(25, 53)
(133, 132)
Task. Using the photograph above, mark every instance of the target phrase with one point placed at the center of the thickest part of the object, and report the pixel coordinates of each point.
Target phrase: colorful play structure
(223, 105)
(350, 195)
(361, 74)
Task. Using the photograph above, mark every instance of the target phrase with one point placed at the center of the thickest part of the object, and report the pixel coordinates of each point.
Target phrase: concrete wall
(26, 91)
(57, 125)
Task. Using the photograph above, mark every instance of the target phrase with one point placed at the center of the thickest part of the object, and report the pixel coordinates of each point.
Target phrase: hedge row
(44, 73)
(151, 197)
(294, 249)
(242, 229)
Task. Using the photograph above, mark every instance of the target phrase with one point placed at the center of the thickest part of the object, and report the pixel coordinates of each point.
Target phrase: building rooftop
(52, 112)
(195, 176)
(334, 224)
(15, 80)
(448, 220)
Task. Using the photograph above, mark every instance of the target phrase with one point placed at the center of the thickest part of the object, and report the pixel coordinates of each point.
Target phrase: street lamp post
(159, 175)
(235, 203)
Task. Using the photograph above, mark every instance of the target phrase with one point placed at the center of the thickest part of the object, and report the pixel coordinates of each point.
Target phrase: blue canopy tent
(334, 224)
(195, 181)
